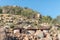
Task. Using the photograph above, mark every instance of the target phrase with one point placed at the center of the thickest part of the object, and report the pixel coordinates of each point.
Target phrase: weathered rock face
(14, 34)
(2, 34)
(58, 35)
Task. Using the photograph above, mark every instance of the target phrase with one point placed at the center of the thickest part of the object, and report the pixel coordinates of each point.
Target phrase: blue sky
(45, 7)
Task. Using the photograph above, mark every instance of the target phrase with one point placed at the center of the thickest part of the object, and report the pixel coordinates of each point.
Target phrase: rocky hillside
(18, 11)
(18, 27)
(22, 23)
(15, 16)
(12, 21)
(26, 12)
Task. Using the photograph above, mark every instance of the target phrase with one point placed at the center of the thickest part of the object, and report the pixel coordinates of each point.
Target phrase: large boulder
(39, 34)
(59, 35)
(2, 34)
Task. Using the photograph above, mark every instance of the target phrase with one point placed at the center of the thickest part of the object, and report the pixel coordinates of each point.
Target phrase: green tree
(0, 9)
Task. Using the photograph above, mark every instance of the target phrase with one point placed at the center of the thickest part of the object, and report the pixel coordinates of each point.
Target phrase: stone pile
(52, 34)
(16, 27)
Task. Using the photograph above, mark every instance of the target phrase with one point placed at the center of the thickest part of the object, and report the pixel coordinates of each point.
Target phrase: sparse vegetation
(16, 22)
(32, 17)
